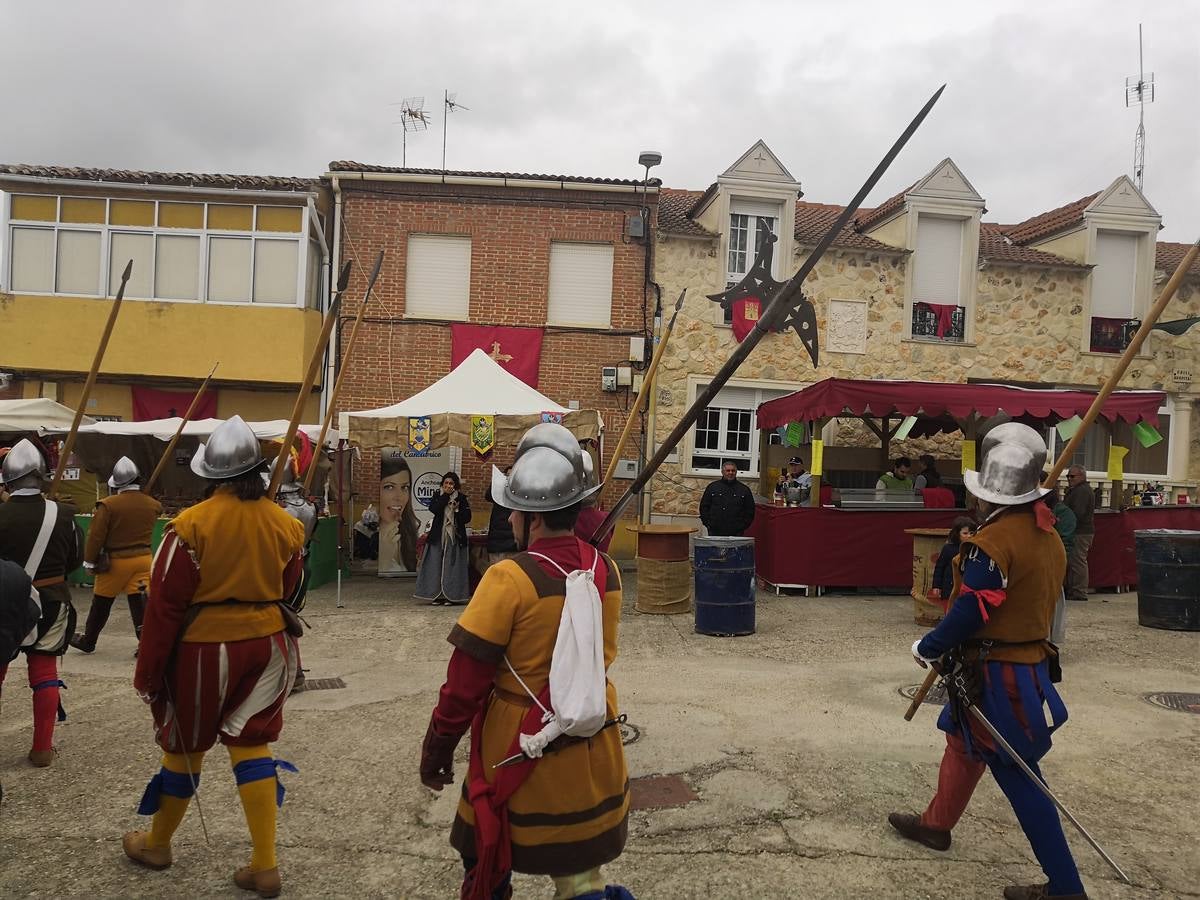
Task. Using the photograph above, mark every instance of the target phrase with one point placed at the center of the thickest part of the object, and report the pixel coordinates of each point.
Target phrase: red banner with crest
(516, 350)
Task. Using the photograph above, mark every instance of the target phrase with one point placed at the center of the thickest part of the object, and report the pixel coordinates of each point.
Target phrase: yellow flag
(818, 456)
(1116, 468)
(968, 455)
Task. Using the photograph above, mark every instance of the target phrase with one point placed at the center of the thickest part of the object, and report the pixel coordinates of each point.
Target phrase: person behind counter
(897, 481)
(118, 552)
(794, 478)
(727, 506)
(929, 476)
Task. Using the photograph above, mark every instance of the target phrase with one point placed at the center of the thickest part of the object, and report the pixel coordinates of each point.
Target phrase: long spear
(69, 444)
(647, 386)
(337, 385)
(187, 417)
(1110, 385)
(780, 305)
(310, 376)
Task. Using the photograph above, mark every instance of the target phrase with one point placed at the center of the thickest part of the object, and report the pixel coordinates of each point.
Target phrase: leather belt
(512, 697)
(47, 582)
(145, 547)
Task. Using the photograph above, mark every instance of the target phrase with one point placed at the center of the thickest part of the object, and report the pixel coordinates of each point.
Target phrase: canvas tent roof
(35, 415)
(164, 429)
(479, 386)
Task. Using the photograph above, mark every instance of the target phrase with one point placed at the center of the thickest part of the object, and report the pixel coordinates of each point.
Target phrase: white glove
(922, 661)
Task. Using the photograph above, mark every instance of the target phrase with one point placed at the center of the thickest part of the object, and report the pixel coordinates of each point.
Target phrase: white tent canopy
(164, 429)
(37, 414)
(479, 386)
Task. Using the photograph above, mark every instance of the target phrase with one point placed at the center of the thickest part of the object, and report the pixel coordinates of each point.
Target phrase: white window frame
(764, 390)
(754, 210)
(1143, 277)
(968, 269)
(7, 223)
(451, 316)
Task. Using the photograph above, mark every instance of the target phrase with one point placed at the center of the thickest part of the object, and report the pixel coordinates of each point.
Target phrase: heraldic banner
(150, 403)
(517, 350)
(483, 434)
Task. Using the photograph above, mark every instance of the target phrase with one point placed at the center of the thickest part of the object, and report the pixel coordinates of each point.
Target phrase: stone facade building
(918, 288)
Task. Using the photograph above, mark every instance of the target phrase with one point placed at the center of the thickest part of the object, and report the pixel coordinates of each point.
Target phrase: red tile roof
(995, 248)
(1045, 224)
(170, 179)
(813, 220)
(351, 166)
(674, 207)
(1168, 256)
(866, 219)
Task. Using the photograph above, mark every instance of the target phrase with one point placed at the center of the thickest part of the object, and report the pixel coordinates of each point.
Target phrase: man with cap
(119, 535)
(564, 813)
(795, 479)
(42, 537)
(218, 655)
(993, 643)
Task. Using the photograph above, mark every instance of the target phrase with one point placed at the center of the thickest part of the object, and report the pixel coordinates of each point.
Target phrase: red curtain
(517, 350)
(149, 403)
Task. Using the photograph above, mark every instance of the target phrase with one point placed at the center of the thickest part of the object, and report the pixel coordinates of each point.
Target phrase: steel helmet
(1016, 432)
(24, 459)
(232, 450)
(124, 473)
(548, 472)
(1011, 473)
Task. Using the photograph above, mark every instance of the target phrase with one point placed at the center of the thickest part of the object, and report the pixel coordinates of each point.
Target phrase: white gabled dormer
(757, 191)
(939, 222)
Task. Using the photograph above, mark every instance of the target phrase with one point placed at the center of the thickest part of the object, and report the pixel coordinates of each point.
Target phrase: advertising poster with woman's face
(407, 481)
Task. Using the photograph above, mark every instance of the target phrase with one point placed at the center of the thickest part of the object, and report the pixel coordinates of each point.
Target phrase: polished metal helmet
(23, 461)
(1017, 433)
(124, 473)
(548, 472)
(289, 484)
(232, 450)
(1012, 468)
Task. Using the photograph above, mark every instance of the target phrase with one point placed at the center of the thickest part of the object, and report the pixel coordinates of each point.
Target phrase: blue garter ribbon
(54, 682)
(173, 784)
(264, 767)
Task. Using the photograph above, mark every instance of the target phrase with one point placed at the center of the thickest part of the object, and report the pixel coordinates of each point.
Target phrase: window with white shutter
(438, 284)
(581, 278)
(938, 260)
(1113, 275)
(33, 260)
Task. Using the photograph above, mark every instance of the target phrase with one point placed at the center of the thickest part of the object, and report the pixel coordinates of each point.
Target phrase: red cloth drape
(150, 403)
(746, 313)
(516, 350)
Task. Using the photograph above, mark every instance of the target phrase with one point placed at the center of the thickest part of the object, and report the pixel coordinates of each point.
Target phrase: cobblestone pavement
(792, 739)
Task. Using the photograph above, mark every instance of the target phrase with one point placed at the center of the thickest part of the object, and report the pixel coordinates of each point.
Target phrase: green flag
(1146, 434)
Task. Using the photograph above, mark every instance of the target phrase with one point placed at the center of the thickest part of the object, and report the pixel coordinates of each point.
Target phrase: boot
(1037, 892)
(96, 620)
(911, 828)
(137, 612)
(134, 844)
(266, 883)
(41, 758)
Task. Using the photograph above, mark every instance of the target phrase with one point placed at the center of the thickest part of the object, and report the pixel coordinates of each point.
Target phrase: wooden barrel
(927, 546)
(664, 586)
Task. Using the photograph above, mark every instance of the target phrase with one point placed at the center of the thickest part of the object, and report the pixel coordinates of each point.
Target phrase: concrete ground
(793, 738)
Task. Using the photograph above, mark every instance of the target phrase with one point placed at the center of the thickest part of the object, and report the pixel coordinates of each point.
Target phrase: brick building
(558, 253)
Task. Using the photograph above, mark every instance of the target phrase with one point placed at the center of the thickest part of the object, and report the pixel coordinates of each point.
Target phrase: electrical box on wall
(626, 468)
(637, 349)
(637, 382)
(624, 376)
(608, 378)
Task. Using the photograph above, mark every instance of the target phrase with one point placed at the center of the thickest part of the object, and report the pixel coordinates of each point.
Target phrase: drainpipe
(333, 354)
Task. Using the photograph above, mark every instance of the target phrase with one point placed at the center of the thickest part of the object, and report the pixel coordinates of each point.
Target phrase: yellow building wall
(253, 406)
(105, 399)
(154, 339)
(1071, 246)
(894, 232)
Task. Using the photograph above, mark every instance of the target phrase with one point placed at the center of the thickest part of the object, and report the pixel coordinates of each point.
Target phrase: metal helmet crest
(21, 462)
(548, 472)
(124, 473)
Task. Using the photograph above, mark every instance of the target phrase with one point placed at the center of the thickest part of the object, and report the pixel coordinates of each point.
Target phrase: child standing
(943, 571)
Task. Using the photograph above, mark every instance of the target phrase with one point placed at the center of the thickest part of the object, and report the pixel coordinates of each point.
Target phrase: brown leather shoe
(82, 644)
(266, 883)
(911, 828)
(42, 758)
(1037, 892)
(134, 844)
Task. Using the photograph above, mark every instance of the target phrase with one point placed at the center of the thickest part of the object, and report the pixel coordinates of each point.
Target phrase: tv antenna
(412, 118)
(1139, 89)
(451, 103)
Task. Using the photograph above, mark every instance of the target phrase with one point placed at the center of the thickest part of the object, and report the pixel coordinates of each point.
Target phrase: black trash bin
(1168, 567)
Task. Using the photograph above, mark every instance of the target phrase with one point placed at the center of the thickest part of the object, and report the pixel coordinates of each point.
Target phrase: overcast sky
(1034, 111)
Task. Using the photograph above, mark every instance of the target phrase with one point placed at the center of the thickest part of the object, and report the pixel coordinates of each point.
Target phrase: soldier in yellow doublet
(566, 813)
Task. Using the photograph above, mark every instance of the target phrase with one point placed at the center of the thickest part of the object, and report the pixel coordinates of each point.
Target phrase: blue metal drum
(1168, 567)
(724, 585)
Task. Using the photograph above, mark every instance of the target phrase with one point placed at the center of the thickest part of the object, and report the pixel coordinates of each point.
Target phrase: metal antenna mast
(448, 100)
(1139, 90)
(412, 118)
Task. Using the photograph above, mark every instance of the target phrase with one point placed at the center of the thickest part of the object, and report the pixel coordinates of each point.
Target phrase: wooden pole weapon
(314, 363)
(647, 386)
(187, 417)
(1110, 385)
(69, 444)
(782, 303)
(337, 385)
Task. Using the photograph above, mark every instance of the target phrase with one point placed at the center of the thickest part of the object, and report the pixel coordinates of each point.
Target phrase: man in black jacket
(727, 507)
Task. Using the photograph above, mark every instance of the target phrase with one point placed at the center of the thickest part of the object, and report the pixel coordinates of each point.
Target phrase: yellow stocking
(171, 809)
(258, 802)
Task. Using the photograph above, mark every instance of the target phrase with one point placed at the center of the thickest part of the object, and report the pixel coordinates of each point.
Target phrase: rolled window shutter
(580, 284)
(1113, 275)
(438, 283)
(938, 260)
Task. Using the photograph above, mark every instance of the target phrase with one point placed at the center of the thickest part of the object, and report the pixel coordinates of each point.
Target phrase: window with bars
(938, 310)
(1113, 283)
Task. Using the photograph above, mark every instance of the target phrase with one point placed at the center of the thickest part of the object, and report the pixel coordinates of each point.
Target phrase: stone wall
(1028, 327)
